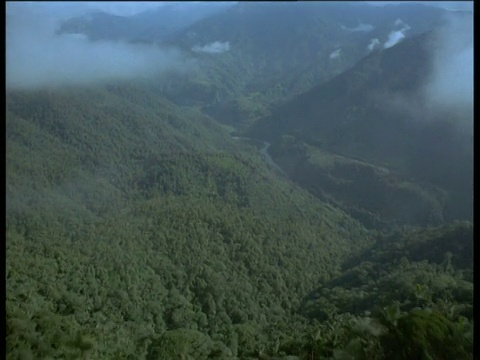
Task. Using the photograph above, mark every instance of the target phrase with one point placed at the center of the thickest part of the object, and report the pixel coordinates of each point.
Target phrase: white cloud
(126, 8)
(374, 43)
(451, 82)
(447, 5)
(216, 47)
(37, 57)
(335, 54)
(65, 9)
(447, 92)
(359, 28)
(396, 36)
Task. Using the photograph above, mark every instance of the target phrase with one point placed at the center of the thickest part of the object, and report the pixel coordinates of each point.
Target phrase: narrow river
(264, 151)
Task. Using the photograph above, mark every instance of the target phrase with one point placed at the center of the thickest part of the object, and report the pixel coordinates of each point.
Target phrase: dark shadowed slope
(377, 112)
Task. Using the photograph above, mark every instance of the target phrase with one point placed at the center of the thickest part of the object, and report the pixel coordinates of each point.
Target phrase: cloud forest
(239, 180)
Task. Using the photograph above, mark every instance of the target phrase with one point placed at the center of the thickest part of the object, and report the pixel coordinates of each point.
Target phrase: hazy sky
(36, 56)
(72, 8)
(452, 78)
(66, 9)
(449, 5)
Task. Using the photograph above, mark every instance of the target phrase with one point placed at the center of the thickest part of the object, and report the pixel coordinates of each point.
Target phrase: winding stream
(264, 151)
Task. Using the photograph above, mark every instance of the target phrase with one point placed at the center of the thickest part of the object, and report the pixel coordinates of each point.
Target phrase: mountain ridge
(139, 226)
(256, 65)
(376, 112)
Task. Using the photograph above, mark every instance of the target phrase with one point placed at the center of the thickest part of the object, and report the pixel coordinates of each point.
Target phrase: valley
(265, 145)
(239, 181)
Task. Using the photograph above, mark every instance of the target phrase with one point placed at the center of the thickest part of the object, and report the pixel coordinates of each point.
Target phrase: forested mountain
(377, 114)
(154, 25)
(136, 228)
(254, 56)
(275, 54)
(139, 225)
(122, 186)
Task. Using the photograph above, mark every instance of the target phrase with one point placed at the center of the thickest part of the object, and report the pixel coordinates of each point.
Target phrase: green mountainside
(279, 52)
(351, 101)
(144, 220)
(351, 129)
(139, 229)
(171, 223)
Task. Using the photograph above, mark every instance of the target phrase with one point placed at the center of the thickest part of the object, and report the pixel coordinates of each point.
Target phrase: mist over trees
(239, 180)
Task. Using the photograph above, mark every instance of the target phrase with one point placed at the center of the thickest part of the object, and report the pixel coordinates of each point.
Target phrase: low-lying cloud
(450, 86)
(335, 54)
(374, 43)
(447, 91)
(359, 28)
(216, 47)
(38, 57)
(398, 35)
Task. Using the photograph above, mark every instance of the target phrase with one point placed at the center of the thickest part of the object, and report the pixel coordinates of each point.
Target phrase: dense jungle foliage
(152, 219)
(137, 229)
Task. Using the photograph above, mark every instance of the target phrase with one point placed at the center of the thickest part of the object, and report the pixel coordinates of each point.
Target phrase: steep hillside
(276, 62)
(170, 222)
(376, 112)
(144, 221)
(137, 229)
(349, 100)
(412, 295)
(375, 195)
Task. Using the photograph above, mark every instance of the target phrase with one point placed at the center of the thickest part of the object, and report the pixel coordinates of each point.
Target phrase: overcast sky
(449, 5)
(35, 55)
(65, 9)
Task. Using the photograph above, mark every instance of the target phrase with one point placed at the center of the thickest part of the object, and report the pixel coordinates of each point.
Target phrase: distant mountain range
(295, 194)
(154, 25)
(340, 77)
(354, 99)
(377, 112)
(253, 52)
